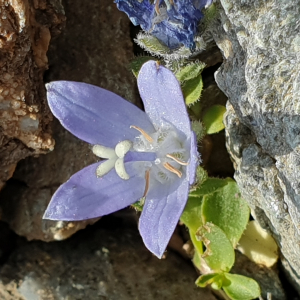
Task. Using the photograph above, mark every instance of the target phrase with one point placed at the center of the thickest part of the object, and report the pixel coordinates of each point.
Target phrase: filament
(172, 169)
(177, 160)
(145, 135)
(147, 178)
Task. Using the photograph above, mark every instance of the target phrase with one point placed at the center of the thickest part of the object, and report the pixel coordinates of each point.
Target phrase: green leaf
(210, 186)
(151, 44)
(201, 175)
(190, 71)
(192, 89)
(192, 214)
(213, 119)
(197, 259)
(199, 129)
(219, 254)
(137, 63)
(226, 209)
(198, 248)
(239, 287)
(207, 279)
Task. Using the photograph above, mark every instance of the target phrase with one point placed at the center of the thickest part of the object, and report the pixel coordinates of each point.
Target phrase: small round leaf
(213, 119)
(239, 287)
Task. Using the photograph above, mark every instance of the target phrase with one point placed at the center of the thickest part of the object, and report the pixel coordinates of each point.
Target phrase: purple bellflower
(150, 156)
(173, 22)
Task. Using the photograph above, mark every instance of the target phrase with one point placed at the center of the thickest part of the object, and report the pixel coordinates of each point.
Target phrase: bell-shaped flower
(149, 155)
(173, 22)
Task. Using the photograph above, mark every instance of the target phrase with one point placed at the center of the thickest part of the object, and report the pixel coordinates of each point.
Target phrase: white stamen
(105, 167)
(103, 152)
(120, 169)
(122, 148)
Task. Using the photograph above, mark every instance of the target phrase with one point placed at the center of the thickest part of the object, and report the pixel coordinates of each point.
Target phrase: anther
(103, 152)
(120, 169)
(172, 169)
(145, 135)
(122, 148)
(105, 167)
(183, 163)
(147, 178)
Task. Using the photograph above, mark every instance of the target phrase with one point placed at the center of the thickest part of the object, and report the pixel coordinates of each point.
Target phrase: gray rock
(260, 43)
(97, 264)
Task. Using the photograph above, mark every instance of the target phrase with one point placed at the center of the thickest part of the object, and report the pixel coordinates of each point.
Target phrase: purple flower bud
(173, 22)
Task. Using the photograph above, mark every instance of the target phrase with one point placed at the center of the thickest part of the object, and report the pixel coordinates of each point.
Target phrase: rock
(260, 75)
(25, 31)
(95, 47)
(97, 264)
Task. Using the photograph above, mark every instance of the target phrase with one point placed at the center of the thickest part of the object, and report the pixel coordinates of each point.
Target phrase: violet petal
(93, 114)
(85, 196)
(160, 216)
(162, 96)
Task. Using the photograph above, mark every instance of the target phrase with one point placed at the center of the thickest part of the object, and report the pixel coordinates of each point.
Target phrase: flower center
(163, 154)
(170, 147)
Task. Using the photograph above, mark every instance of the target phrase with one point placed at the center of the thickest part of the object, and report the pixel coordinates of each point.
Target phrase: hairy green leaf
(190, 71)
(227, 210)
(192, 214)
(192, 89)
(151, 44)
(219, 254)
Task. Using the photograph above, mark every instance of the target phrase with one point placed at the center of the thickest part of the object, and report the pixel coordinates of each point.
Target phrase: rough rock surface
(82, 52)
(97, 264)
(25, 31)
(260, 43)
